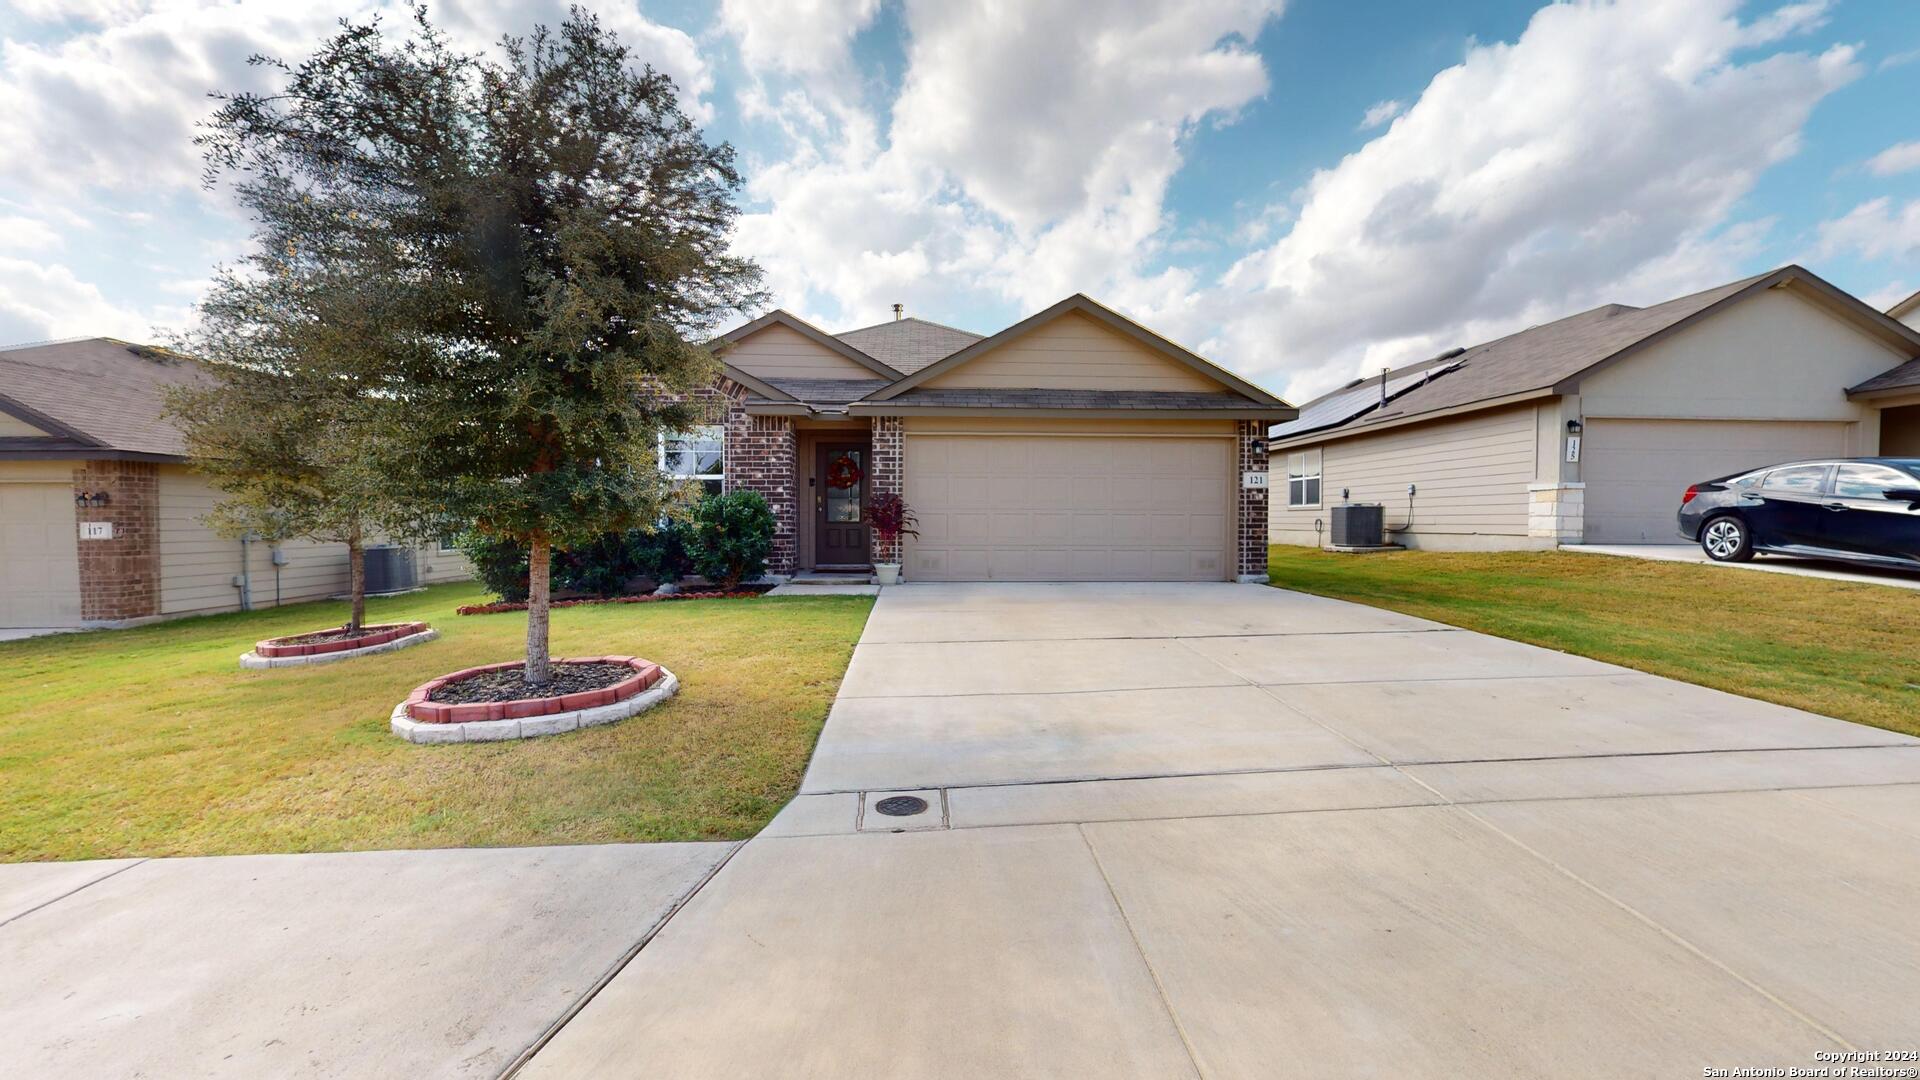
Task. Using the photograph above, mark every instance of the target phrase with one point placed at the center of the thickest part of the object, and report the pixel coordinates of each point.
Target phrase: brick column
(120, 577)
(886, 475)
(1252, 529)
(760, 457)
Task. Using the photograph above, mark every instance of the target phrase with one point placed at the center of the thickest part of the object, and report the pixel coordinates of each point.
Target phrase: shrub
(732, 536)
(891, 517)
(602, 567)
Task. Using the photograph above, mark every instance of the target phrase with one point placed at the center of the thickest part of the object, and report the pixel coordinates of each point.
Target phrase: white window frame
(716, 434)
(1311, 467)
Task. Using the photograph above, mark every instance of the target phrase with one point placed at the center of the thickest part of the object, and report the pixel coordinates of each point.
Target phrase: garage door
(39, 570)
(1068, 508)
(1636, 470)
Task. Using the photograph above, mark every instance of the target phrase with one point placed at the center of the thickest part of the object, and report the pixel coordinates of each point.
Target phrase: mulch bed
(510, 684)
(500, 606)
(321, 642)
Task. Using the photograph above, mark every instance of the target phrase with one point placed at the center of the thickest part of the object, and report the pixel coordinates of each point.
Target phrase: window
(1303, 478)
(449, 543)
(1870, 481)
(696, 456)
(1807, 479)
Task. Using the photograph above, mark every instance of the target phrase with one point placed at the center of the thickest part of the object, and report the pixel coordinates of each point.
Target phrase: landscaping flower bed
(634, 676)
(321, 642)
(500, 606)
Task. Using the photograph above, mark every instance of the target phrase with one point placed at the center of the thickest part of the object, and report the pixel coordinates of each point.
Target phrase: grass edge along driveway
(151, 741)
(1841, 649)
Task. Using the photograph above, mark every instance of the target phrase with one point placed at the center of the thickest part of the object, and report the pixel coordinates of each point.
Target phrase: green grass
(1838, 648)
(152, 741)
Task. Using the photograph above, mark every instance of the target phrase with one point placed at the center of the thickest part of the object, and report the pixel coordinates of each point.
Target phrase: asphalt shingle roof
(108, 390)
(1907, 374)
(987, 397)
(907, 345)
(827, 391)
(1536, 358)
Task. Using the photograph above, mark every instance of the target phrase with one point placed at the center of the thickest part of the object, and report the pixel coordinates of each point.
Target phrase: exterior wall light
(1573, 427)
(90, 498)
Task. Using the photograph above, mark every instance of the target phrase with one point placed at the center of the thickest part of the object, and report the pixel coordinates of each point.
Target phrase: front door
(839, 505)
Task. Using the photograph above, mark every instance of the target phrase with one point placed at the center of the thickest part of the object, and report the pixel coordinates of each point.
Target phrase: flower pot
(886, 573)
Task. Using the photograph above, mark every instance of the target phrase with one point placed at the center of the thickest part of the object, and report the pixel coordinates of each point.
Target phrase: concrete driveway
(1230, 831)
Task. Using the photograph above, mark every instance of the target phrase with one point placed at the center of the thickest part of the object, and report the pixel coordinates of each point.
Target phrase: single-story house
(100, 515)
(1073, 445)
(1589, 428)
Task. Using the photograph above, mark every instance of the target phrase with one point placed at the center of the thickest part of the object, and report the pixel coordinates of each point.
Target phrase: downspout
(244, 579)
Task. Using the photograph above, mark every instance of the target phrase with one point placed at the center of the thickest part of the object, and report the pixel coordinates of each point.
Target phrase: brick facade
(1252, 558)
(887, 475)
(760, 457)
(120, 578)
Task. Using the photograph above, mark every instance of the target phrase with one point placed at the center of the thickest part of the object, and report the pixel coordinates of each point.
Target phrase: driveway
(1774, 564)
(1230, 831)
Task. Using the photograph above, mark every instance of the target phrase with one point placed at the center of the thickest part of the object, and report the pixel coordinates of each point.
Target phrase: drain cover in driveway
(901, 805)
(903, 811)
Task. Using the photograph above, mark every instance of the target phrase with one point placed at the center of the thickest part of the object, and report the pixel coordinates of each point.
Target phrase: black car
(1859, 509)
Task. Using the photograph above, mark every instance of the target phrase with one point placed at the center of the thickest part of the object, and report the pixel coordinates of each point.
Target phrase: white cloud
(1027, 157)
(1381, 112)
(1899, 58)
(91, 11)
(1598, 157)
(1888, 295)
(39, 302)
(1876, 229)
(1786, 21)
(1898, 158)
(807, 37)
(27, 234)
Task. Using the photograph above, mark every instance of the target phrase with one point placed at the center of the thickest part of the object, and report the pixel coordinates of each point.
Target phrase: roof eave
(1254, 412)
(48, 424)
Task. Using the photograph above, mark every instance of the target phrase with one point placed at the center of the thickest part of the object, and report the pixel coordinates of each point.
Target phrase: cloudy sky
(1303, 189)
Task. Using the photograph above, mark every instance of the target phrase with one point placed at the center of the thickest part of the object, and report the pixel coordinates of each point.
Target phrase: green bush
(601, 568)
(732, 536)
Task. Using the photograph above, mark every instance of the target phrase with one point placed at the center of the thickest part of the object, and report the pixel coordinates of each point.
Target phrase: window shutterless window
(1803, 479)
(1869, 481)
(1303, 478)
(696, 455)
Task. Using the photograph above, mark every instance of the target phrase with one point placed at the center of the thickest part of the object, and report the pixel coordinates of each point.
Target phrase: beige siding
(1074, 353)
(433, 566)
(1774, 357)
(781, 352)
(197, 566)
(1471, 473)
(14, 427)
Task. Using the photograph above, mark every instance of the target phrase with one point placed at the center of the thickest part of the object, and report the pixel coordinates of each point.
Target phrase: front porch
(818, 475)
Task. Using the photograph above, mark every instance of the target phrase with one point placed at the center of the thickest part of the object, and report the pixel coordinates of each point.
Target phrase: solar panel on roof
(1336, 409)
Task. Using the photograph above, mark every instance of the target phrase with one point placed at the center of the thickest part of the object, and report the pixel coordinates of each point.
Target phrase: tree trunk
(356, 581)
(539, 593)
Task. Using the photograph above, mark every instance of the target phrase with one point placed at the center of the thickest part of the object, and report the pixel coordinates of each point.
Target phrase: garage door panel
(40, 570)
(1068, 508)
(1636, 470)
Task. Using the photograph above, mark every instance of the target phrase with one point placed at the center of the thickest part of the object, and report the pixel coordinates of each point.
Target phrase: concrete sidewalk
(390, 963)
(1230, 831)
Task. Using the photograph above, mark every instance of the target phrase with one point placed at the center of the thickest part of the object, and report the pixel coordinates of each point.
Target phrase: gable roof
(1080, 303)
(804, 329)
(1552, 358)
(1901, 309)
(98, 396)
(908, 344)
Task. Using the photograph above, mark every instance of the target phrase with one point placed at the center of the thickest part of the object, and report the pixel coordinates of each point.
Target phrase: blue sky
(1207, 166)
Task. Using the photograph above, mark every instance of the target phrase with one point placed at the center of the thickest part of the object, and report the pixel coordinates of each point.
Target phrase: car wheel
(1725, 539)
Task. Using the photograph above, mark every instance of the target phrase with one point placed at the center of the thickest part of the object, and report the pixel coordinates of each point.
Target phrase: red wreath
(843, 472)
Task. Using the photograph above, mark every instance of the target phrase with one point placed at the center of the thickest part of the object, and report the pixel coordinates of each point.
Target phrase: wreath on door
(843, 472)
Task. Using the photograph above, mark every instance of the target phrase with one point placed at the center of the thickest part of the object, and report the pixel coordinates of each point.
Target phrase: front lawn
(1838, 648)
(152, 741)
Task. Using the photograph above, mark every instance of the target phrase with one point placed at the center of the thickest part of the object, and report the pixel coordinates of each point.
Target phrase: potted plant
(891, 519)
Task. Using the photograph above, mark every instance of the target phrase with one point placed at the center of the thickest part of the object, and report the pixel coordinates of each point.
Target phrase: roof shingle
(908, 344)
(111, 392)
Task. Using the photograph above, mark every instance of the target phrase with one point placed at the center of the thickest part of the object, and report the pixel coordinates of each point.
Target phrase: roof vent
(899, 312)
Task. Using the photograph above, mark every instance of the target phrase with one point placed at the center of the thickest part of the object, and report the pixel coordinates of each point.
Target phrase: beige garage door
(39, 570)
(1068, 508)
(1636, 470)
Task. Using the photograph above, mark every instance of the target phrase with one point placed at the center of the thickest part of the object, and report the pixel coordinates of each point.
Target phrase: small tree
(561, 228)
(295, 447)
(891, 518)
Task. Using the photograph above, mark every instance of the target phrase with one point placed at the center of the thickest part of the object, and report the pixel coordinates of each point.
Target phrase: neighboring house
(1473, 450)
(1074, 445)
(1907, 311)
(100, 516)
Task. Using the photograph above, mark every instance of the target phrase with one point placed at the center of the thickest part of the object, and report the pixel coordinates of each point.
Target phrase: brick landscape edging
(377, 634)
(664, 686)
(417, 633)
(645, 674)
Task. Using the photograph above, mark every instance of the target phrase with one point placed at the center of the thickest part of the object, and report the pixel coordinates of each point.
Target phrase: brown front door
(839, 505)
